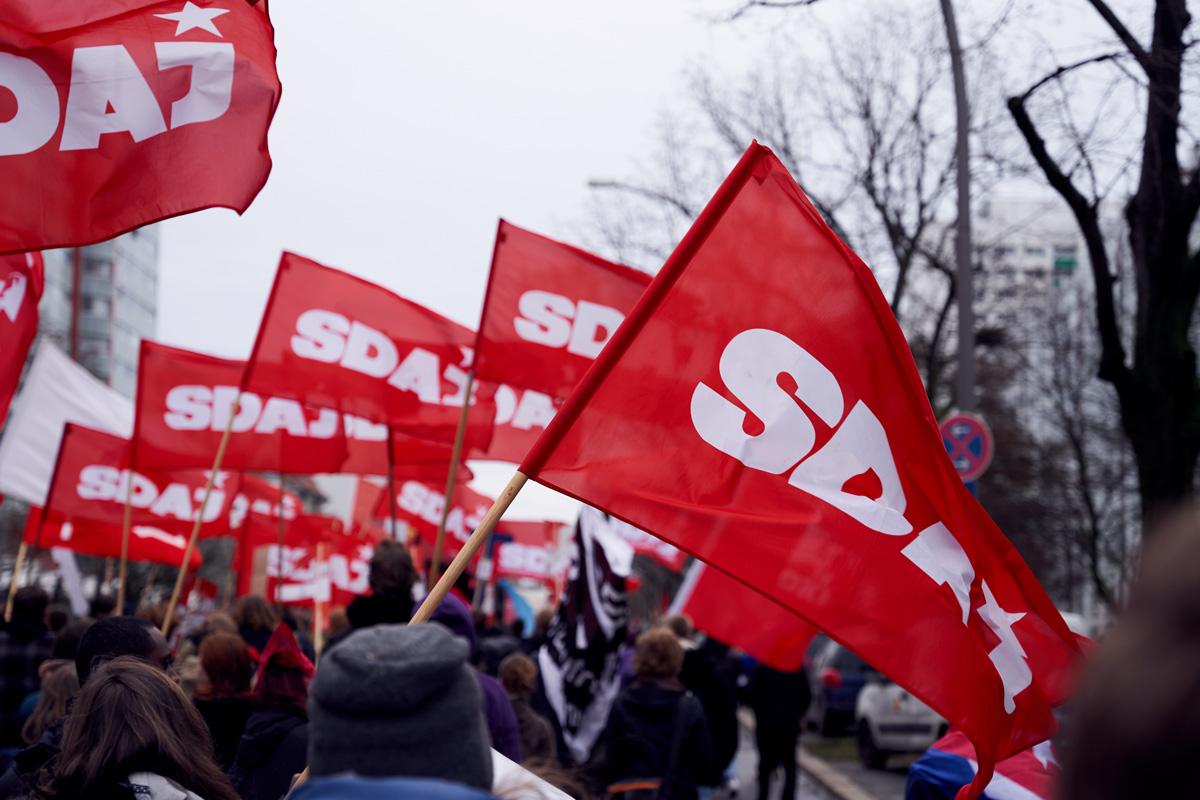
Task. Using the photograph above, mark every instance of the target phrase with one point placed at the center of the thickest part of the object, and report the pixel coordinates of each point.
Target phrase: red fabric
(283, 672)
(532, 551)
(318, 562)
(419, 503)
(731, 612)
(116, 117)
(763, 344)
(21, 284)
(649, 545)
(332, 340)
(92, 475)
(548, 311)
(521, 416)
(146, 543)
(184, 399)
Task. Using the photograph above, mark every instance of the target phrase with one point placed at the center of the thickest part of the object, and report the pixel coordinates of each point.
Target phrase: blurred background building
(101, 301)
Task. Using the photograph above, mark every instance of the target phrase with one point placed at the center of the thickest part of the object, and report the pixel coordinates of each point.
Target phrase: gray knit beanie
(399, 700)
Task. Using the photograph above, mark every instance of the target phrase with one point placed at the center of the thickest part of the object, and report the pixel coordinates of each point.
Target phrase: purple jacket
(501, 719)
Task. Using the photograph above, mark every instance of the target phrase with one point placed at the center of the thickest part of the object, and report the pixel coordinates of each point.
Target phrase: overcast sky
(405, 131)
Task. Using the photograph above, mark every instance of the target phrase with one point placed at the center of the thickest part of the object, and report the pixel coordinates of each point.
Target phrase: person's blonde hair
(59, 685)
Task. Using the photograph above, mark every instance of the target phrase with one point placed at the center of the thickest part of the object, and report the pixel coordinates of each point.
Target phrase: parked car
(836, 675)
(889, 720)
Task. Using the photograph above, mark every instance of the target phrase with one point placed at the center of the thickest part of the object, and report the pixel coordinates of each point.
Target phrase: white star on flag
(193, 16)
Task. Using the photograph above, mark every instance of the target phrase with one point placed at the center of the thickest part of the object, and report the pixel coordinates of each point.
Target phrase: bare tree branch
(1123, 33)
(645, 192)
(751, 5)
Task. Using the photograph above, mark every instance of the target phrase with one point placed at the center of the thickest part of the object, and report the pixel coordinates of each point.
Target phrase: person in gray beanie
(399, 701)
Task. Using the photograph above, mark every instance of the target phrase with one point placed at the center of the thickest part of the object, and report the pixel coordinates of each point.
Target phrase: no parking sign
(969, 443)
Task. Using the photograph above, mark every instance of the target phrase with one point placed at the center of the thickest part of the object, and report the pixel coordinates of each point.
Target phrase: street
(746, 767)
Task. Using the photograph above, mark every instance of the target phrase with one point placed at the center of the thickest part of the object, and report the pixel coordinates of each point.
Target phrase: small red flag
(93, 476)
(122, 113)
(21, 283)
(146, 542)
(331, 340)
(549, 310)
(420, 503)
(528, 550)
(760, 409)
(721, 607)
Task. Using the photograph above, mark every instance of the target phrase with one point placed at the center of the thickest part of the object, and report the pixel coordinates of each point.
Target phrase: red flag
(530, 552)
(184, 400)
(721, 607)
(332, 340)
(299, 573)
(760, 409)
(649, 545)
(521, 416)
(92, 478)
(146, 543)
(549, 310)
(420, 504)
(21, 283)
(116, 119)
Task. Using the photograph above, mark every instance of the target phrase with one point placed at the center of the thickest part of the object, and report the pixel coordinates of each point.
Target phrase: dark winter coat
(638, 739)
(226, 719)
(779, 700)
(23, 775)
(699, 676)
(501, 719)
(273, 748)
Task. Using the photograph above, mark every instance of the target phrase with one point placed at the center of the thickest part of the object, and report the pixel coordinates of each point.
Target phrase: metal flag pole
(438, 593)
(191, 545)
(460, 434)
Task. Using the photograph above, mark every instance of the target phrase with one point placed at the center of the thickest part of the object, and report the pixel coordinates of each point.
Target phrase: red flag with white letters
(184, 400)
(528, 549)
(720, 606)
(21, 283)
(760, 408)
(332, 340)
(420, 503)
(92, 477)
(119, 114)
(146, 542)
(549, 310)
(521, 416)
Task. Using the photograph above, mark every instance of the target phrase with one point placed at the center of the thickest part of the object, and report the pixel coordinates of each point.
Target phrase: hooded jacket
(273, 748)
(644, 722)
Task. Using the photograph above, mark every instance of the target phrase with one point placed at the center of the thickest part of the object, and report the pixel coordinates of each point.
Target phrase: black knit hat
(399, 700)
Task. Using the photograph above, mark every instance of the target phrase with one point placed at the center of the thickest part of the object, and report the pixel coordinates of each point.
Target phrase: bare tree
(1157, 389)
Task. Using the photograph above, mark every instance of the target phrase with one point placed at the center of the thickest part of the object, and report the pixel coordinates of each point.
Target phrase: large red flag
(760, 409)
(521, 416)
(549, 310)
(332, 340)
(21, 283)
(119, 117)
(93, 476)
(733, 613)
(146, 543)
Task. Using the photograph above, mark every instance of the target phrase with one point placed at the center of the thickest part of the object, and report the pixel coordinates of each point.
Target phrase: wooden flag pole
(18, 568)
(191, 545)
(460, 434)
(438, 593)
(391, 481)
(279, 548)
(126, 528)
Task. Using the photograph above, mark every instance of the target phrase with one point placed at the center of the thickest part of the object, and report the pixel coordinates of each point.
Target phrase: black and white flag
(580, 661)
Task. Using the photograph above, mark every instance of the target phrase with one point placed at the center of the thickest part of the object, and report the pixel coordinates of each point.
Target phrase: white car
(889, 720)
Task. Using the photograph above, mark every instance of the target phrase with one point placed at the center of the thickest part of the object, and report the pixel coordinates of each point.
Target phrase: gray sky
(405, 131)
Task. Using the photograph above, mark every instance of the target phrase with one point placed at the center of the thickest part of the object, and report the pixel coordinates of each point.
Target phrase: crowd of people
(241, 707)
(108, 707)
